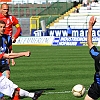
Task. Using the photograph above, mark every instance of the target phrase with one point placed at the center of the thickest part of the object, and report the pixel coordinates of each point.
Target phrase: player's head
(2, 27)
(5, 9)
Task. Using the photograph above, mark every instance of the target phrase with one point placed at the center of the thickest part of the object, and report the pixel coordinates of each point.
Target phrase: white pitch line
(59, 92)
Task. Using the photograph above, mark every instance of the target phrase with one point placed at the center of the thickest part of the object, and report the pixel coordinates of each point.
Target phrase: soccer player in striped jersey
(7, 87)
(94, 89)
(10, 21)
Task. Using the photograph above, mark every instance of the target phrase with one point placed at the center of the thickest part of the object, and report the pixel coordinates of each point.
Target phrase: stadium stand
(57, 8)
(27, 10)
(78, 20)
(23, 12)
(54, 11)
(50, 12)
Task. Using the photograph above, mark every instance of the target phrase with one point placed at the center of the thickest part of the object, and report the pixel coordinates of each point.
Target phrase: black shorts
(94, 91)
(4, 67)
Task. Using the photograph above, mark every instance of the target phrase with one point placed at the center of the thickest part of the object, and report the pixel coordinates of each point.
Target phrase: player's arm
(18, 32)
(18, 28)
(89, 36)
(14, 55)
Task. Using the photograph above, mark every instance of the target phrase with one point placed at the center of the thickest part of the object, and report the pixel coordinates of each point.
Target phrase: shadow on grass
(34, 90)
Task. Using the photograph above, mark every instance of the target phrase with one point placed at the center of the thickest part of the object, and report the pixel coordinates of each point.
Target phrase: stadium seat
(79, 20)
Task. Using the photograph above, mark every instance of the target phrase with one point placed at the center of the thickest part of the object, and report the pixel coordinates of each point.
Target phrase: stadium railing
(27, 10)
(52, 13)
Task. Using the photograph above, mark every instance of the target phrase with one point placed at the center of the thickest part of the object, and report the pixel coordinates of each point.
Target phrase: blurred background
(47, 9)
(57, 14)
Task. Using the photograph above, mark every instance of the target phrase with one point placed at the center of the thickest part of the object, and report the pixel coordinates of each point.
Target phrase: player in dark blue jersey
(5, 47)
(5, 44)
(6, 86)
(94, 89)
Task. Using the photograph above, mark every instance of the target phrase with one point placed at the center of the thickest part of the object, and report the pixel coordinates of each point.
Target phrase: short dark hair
(2, 22)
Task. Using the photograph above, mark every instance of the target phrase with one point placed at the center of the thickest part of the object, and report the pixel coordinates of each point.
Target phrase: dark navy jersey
(5, 43)
(95, 54)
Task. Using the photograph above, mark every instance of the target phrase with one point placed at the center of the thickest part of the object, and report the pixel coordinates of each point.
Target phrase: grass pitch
(54, 69)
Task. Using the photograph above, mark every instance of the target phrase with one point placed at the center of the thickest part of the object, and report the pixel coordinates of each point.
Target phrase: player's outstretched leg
(33, 95)
(10, 89)
(20, 92)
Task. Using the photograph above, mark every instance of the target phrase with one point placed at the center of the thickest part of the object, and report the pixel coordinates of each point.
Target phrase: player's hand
(13, 40)
(28, 53)
(92, 21)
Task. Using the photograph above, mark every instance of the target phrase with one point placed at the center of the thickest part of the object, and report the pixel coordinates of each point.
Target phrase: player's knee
(7, 74)
(87, 97)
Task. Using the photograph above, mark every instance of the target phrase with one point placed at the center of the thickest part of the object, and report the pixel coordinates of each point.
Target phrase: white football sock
(25, 93)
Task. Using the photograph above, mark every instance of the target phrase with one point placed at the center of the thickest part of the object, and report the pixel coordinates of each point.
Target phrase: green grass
(53, 69)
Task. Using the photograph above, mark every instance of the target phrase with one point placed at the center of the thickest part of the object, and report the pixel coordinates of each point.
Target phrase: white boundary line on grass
(59, 92)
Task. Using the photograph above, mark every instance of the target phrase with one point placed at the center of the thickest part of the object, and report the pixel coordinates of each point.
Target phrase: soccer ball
(78, 90)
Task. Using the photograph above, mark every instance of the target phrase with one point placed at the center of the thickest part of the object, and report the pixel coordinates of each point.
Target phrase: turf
(55, 69)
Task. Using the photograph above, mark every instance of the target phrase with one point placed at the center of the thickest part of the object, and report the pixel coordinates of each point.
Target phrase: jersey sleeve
(95, 54)
(15, 20)
(18, 28)
(1, 55)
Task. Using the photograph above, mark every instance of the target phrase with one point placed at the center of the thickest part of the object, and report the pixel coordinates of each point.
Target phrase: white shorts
(7, 87)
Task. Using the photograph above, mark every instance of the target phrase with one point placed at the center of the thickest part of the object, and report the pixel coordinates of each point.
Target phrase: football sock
(16, 95)
(25, 93)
